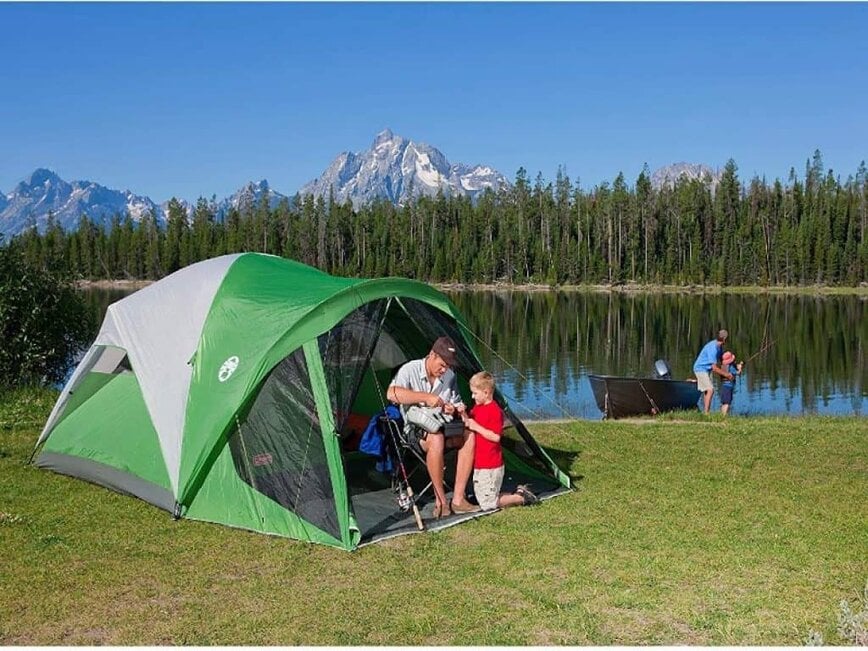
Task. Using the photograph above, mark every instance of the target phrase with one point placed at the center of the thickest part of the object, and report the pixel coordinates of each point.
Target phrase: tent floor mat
(379, 517)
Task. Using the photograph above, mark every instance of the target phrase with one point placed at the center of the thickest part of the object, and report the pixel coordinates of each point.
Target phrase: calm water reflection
(542, 345)
(553, 340)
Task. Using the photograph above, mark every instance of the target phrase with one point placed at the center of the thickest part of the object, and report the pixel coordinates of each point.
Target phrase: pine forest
(805, 231)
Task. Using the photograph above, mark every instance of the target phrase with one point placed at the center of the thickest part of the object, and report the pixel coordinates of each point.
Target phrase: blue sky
(191, 100)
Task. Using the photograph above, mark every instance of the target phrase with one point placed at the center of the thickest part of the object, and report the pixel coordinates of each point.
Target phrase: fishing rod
(519, 374)
(761, 350)
(400, 471)
(391, 426)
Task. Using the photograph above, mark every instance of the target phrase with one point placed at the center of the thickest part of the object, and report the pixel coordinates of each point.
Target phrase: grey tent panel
(100, 473)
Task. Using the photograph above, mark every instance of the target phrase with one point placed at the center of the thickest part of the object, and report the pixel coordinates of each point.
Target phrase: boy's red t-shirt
(488, 454)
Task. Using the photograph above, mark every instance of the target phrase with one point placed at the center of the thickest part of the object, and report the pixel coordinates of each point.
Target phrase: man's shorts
(726, 395)
(703, 381)
(486, 486)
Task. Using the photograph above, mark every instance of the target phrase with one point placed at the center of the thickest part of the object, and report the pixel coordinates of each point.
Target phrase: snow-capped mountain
(397, 169)
(670, 174)
(248, 197)
(394, 168)
(44, 192)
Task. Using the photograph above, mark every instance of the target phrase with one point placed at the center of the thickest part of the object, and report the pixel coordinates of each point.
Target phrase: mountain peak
(40, 176)
(383, 137)
(398, 169)
(394, 168)
(44, 193)
(671, 174)
(260, 185)
(248, 196)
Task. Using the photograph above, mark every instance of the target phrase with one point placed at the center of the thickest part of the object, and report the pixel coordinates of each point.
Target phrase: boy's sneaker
(527, 494)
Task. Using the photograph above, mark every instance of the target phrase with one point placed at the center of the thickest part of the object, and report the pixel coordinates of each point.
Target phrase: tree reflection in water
(554, 339)
(549, 342)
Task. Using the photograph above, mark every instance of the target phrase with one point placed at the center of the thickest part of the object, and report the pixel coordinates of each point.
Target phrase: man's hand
(452, 409)
(434, 401)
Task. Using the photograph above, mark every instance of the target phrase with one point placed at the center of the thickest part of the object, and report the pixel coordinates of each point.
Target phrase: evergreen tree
(647, 224)
(176, 231)
(780, 233)
(202, 236)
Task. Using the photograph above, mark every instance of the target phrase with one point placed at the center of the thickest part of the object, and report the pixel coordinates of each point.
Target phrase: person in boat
(710, 362)
(431, 382)
(485, 420)
(727, 387)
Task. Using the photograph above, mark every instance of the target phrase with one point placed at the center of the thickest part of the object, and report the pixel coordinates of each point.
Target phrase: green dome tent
(232, 391)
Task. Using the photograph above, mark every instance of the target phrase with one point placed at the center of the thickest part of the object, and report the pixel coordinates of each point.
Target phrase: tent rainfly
(234, 391)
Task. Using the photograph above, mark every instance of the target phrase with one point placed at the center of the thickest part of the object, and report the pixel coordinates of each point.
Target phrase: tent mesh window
(278, 448)
(346, 352)
(433, 323)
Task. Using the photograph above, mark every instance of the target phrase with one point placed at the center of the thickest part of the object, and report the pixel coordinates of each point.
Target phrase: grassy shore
(682, 531)
(626, 288)
(640, 288)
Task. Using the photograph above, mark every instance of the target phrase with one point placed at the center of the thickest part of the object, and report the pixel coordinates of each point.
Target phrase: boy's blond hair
(483, 380)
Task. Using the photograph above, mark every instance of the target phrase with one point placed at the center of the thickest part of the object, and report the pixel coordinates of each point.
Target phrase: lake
(541, 345)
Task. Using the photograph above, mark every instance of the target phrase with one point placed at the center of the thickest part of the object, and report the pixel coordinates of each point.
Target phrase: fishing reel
(403, 499)
(431, 419)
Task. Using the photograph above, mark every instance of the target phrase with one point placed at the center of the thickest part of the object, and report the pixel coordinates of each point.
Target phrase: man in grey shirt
(431, 382)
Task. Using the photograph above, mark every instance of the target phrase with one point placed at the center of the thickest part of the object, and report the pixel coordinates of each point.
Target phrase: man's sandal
(526, 494)
(441, 511)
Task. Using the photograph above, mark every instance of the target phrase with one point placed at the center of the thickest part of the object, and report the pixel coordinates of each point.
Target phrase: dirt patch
(87, 637)
(627, 625)
(556, 637)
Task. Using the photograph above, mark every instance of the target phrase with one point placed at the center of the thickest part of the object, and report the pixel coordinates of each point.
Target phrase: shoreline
(625, 288)
(639, 288)
(112, 284)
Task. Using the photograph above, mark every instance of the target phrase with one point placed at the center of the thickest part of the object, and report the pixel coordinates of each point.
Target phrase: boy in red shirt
(486, 421)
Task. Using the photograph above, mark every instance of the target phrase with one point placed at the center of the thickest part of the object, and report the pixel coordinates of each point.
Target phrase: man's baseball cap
(446, 348)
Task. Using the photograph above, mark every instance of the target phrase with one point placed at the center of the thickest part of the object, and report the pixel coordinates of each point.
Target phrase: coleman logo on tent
(262, 459)
(228, 368)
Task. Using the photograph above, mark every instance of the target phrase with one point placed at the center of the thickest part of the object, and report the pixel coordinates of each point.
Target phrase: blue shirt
(733, 369)
(709, 354)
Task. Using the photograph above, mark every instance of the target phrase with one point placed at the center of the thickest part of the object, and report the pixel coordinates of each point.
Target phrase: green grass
(682, 531)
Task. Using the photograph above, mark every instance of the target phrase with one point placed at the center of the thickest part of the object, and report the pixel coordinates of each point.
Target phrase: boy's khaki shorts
(486, 486)
(703, 381)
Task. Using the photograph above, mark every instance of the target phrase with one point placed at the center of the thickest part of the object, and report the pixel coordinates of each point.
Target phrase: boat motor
(662, 370)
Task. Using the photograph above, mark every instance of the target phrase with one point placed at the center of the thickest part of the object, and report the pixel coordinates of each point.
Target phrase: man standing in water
(708, 362)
